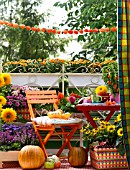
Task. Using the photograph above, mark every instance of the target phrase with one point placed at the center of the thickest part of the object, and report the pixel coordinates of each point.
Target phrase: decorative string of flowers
(54, 31)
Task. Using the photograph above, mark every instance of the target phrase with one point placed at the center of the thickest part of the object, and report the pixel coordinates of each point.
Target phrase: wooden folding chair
(46, 97)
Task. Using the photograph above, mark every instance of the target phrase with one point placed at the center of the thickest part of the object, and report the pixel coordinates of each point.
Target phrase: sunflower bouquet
(106, 135)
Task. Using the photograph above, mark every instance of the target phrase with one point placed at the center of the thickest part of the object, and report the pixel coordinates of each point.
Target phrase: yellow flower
(2, 83)
(7, 78)
(82, 130)
(0, 107)
(8, 115)
(118, 118)
(2, 100)
(87, 132)
(111, 128)
(95, 130)
(102, 127)
(95, 118)
(87, 126)
(101, 89)
(120, 132)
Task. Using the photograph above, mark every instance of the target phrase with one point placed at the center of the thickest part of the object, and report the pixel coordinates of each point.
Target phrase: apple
(57, 164)
(49, 165)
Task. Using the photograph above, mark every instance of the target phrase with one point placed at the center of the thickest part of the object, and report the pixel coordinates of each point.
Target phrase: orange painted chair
(50, 97)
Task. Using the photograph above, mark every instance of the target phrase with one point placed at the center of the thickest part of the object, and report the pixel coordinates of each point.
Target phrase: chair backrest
(41, 97)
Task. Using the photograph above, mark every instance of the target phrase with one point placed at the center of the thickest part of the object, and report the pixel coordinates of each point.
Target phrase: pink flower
(72, 99)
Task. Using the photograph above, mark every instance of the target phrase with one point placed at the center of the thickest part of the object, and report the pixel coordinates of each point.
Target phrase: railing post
(0, 65)
(63, 76)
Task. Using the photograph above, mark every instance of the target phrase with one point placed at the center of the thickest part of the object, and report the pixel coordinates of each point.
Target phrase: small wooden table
(67, 133)
(87, 107)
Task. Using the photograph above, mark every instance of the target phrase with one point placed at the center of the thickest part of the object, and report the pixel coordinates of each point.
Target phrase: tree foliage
(17, 43)
(93, 14)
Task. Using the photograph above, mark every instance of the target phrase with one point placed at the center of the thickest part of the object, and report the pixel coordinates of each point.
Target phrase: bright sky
(58, 15)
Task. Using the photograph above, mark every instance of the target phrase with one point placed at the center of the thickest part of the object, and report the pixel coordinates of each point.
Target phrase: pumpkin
(31, 157)
(77, 156)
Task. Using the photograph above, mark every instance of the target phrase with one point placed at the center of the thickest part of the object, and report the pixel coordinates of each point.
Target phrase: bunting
(54, 31)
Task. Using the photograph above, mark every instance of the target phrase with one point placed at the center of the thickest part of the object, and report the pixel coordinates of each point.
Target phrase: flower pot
(9, 158)
(107, 158)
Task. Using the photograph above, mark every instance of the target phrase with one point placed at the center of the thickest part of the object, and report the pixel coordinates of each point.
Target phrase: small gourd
(31, 157)
(77, 156)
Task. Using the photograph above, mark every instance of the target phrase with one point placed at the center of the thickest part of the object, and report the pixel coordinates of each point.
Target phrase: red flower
(75, 95)
(60, 95)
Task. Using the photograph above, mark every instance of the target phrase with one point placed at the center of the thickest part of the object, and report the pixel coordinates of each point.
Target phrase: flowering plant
(108, 135)
(68, 104)
(16, 97)
(14, 137)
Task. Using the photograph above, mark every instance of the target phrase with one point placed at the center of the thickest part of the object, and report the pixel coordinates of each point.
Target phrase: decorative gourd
(77, 156)
(31, 157)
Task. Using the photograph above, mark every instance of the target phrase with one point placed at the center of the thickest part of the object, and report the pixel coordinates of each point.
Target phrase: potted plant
(105, 143)
(68, 103)
(110, 77)
(13, 138)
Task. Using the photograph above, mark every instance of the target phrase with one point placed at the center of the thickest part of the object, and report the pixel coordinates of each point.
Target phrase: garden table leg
(68, 138)
(110, 115)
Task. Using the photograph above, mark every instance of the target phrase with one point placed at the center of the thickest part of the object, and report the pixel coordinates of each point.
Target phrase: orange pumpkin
(77, 156)
(31, 157)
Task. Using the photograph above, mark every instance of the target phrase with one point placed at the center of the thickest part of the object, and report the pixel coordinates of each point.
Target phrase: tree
(17, 43)
(93, 14)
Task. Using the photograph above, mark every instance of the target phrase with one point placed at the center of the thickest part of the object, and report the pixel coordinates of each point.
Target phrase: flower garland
(54, 31)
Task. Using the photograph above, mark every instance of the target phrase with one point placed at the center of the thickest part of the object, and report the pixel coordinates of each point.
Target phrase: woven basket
(25, 113)
(107, 158)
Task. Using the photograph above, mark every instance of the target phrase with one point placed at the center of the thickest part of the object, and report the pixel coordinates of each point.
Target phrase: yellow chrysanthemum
(111, 128)
(2, 100)
(8, 115)
(101, 89)
(0, 107)
(7, 78)
(120, 132)
(119, 117)
(2, 83)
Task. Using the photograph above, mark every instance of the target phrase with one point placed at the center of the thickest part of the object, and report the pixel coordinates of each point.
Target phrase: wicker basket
(107, 158)
(25, 113)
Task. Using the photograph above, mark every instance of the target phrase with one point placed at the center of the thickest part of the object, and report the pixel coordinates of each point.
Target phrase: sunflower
(2, 83)
(8, 115)
(120, 132)
(101, 90)
(0, 107)
(111, 128)
(2, 100)
(118, 118)
(7, 78)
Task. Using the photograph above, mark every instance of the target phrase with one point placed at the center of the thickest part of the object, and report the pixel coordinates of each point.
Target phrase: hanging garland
(22, 26)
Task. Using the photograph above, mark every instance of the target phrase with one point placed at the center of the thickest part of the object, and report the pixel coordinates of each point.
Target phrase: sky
(58, 15)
